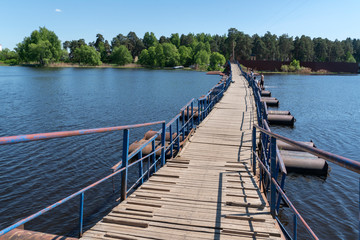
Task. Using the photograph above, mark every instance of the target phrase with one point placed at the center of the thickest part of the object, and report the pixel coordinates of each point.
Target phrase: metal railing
(182, 124)
(272, 167)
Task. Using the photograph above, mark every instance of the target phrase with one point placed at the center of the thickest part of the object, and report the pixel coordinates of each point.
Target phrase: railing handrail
(126, 156)
(54, 205)
(61, 134)
(339, 160)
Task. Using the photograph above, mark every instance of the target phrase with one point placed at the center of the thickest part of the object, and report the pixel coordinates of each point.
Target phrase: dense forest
(205, 51)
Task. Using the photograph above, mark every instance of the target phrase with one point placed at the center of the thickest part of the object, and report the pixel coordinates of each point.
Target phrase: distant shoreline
(76, 65)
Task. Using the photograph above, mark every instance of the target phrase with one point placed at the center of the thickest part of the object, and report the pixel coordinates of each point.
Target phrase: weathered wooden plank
(207, 192)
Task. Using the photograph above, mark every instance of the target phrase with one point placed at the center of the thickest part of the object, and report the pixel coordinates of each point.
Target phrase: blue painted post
(81, 219)
(163, 134)
(187, 120)
(254, 150)
(198, 121)
(183, 123)
(154, 155)
(295, 227)
(273, 173)
(177, 135)
(141, 166)
(192, 114)
(125, 163)
(171, 141)
(148, 167)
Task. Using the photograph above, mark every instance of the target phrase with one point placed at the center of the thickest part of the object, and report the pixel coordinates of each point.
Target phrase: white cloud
(58, 10)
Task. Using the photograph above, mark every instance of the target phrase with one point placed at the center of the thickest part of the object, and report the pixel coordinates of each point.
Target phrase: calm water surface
(327, 111)
(36, 174)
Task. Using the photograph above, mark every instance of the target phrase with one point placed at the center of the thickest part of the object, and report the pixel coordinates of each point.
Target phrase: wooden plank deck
(207, 191)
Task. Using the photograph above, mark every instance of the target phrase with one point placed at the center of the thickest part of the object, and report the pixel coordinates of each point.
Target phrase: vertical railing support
(183, 123)
(81, 218)
(171, 142)
(254, 150)
(163, 135)
(273, 173)
(125, 163)
(198, 118)
(154, 155)
(192, 114)
(141, 166)
(177, 135)
(187, 120)
(295, 227)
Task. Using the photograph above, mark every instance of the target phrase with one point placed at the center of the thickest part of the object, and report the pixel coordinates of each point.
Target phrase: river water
(327, 111)
(36, 174)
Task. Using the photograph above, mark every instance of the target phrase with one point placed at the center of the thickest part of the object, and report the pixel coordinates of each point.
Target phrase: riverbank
(126, 66)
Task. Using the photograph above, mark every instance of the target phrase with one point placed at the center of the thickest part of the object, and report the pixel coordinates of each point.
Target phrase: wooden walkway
(208, 191)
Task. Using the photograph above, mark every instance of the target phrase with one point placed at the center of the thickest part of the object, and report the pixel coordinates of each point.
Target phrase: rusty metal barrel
(274, 112)
(288, 120)
(265, 93)
(298, 161)
(270, 101)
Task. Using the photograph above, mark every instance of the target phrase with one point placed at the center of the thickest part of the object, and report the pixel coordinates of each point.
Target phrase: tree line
(203, 50)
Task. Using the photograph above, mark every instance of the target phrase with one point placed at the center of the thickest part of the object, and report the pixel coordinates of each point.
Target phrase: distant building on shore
(0, 47)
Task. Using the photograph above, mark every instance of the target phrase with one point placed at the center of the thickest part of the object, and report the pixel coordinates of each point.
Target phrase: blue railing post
(192, 114)
(273, 173)
(254, 150)
(295, 227)
(177, 135)
(125, 163)
(198, 118)
(171, 142)
(81, 218)
(183, 123)
(148, 167)
(187, 120)
(141, 166)
(154, 155)
(163, 135)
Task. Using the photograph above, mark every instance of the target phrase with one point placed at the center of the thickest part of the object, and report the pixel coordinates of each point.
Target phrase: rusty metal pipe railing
(338, 160)
(51, 135)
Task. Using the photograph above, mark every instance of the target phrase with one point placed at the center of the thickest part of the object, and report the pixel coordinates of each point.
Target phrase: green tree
(9, 57)
(171, 55)
(349, 58)
(304, 49)
(320, 50)
(175, 39)
(243, 46)
(42, 46)
(356, 47)
(336, 52)
(202, 58)
(135, 45)
(159, 56)
(121, 55)
(286, 46)
(144, 57)
(72, 46)
(103, 47)
(216, 61)
(149, 40)
(258, 47)
(87, 55)
(163, 39)
(186, 40)
(186, 55)
(271, 46)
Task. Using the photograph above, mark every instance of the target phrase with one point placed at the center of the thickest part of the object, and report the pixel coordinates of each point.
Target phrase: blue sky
(72, 20)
